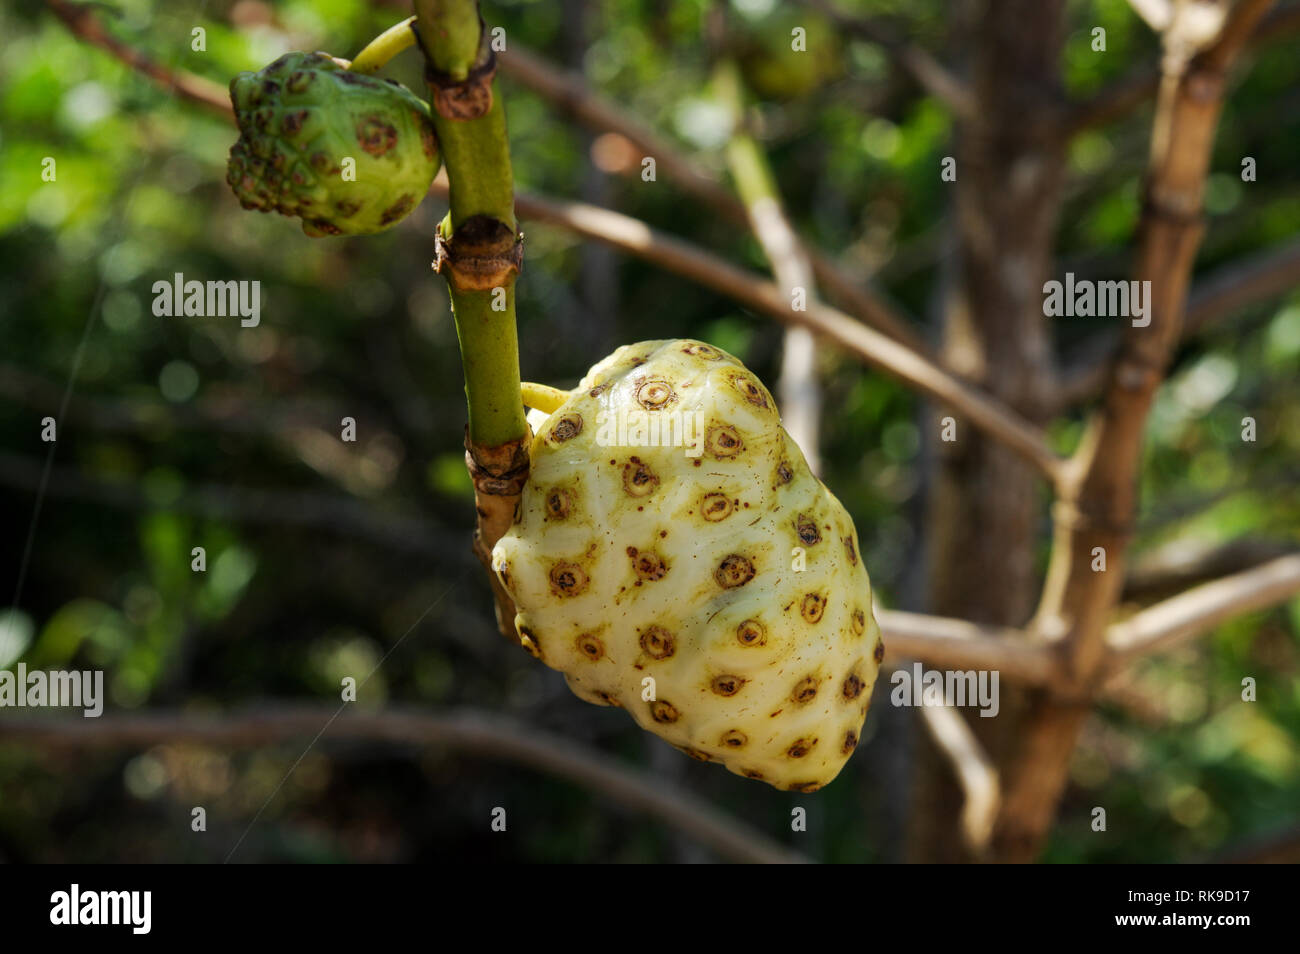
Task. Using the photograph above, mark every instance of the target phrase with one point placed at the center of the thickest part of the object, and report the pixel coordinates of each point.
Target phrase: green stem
(476, 155)
(384, 47)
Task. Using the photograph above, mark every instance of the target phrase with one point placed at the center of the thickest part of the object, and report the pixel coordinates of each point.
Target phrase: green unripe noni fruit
(673, 554)
(303, 118)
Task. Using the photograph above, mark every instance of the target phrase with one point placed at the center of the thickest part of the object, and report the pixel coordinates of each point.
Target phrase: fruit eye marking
(658, 642)
(716, 507)
(800, 748)
(568, 579)
(567, 428)
(559, 504)
(723, 441)
(859, 622)
(727, 685)
(806, 527)
(851, 550)
(653, 395)
(734, 571)
(751, 391)
(852, 686)
(805, 690)
(878, 654)
(662, 711)
(638, 479)
(850, 741)
(590, 646)
(734, 739)
(784, 474)
(751, 633)
(647, 566)
(812, 607)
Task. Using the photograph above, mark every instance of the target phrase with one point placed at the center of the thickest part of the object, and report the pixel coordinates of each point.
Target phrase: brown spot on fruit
(805, 690)
(806, 787)
(859, 622)
(751, 633)
(853, 686)
(376, 136)
(638, 479)
(559, 504)
(566, 428)
(398, 210)
(590, 645)
(878, 654)
(716, 507)
(735, 570)
(608, 699)
(652, 395)
(568, 579)
(647, 566)
(727, 685)
(694, 753)
(299, 81)
(734, 739)
(812, 607)
(657, 642)
(806, 527)
(293, 122)
(528, 639)
(723, 441)
(783, 474)
(800, 748)
(598, 390)
(850, 742)
(427, 140)
(851, 550)
(664, 712)
(707, 352)
(750, 390)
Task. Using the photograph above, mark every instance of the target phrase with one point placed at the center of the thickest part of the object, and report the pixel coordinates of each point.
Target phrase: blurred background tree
(328, 559)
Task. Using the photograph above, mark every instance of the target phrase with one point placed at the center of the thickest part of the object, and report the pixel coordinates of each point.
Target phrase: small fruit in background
(670, 529)
(347, 153)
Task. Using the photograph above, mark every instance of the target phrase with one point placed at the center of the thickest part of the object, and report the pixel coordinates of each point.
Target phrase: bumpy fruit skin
(300, 117)
(627, 562)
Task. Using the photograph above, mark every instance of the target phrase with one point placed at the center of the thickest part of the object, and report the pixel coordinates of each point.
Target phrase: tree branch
(81, 21)
(975, 771)
(957, 644)
(928, 73)
(1199, 610)
(570, 94)
(866, 344)
(1180, 565)
(476, 733)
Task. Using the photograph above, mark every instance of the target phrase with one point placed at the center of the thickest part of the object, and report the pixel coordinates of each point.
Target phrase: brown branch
(477, 733)
(82, 21)
(928, 73)
(1129, 92)
(1095, 512)
(866, 344)
(956, 644)
(1223, 293)
(1199, 610)
(1178, 566)
(975, 771)
(1238, 285)
(569, 93)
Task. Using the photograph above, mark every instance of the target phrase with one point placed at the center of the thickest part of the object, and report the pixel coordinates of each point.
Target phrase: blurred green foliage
(180, 433)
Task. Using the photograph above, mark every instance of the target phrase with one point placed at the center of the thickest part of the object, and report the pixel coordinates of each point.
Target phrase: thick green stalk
(476, 155)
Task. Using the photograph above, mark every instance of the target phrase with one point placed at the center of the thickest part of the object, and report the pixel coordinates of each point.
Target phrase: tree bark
(985, 503)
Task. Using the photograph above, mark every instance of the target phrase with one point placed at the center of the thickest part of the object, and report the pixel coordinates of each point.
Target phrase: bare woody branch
(476, 733)
(928, 73)
(82, 21)
(1199, 610)
(1098, 500)
(569, 93)
(1223, 293)
(1129, 92)
(956, 644)
(975, 771)
(866, 344)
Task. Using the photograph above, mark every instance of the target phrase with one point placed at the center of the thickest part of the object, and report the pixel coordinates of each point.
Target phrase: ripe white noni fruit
(674, 555)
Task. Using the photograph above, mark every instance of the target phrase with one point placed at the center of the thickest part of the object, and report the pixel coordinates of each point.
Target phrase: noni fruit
(348, 153)
(673, 554)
